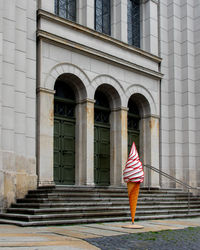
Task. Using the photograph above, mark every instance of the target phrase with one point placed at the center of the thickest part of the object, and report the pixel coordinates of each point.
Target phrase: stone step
(64, 210)
(70, 199)
(74, 205)
(25, 217)
(33, 211)
(100, 199)
(66, 204)
(103, 191)
(88, 204)
(100, 195)
(98, 214)
(94, 220)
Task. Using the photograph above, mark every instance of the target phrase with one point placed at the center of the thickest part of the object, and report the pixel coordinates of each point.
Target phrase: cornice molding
(46, 36)
(53, 18)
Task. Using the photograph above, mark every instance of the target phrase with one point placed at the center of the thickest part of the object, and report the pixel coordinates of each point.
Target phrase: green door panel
(64, 151)
(102, 155)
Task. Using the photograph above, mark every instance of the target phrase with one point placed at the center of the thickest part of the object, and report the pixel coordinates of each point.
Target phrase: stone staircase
(74, 205)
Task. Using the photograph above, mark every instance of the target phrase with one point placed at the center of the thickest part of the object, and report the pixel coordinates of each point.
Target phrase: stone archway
(148, 135)
(117, 135)
(45, 136)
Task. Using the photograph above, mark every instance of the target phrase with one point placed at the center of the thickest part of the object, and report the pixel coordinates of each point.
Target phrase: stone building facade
(79, 80)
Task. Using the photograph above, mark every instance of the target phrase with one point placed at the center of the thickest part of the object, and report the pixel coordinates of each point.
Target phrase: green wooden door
(101, 140)
(64, 152)
(64, 142)
(101, 155)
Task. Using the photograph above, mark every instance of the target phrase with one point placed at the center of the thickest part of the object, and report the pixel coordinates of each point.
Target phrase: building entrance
(101, 140)
(64, 135)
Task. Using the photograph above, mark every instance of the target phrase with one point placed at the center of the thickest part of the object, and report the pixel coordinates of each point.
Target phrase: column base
(46, 184)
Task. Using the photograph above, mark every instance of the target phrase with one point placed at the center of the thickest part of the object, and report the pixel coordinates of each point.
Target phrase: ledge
(114, 59)
(94, 33)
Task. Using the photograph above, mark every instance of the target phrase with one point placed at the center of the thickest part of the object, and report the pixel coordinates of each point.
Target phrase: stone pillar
(1, 78)
(85, 143)
(86, 13)
(149, 26)
(119, 20)
(150, 146)
(45, 126)
(46, 5)
(118, 145)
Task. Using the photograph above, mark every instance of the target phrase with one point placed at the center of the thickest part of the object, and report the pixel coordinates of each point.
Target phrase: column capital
(120, 109)
(151, 116)
(146, 1)
(87, 100)
(45, 90)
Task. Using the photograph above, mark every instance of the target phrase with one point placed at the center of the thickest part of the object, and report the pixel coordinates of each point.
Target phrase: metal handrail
(149, 167)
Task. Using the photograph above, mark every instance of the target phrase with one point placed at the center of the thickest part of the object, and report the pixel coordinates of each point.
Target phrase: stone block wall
(17, 99)
(197, 85)
(178, 49)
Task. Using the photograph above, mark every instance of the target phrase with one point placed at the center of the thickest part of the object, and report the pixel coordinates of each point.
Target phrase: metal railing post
(149, 171)
(188, 200)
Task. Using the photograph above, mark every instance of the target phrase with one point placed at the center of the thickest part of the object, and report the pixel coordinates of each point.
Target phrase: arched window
(134, 22)
(102, 16)
(66, 9)
(133, 125)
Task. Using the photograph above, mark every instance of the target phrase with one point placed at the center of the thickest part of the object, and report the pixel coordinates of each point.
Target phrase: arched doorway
(64, 134)
(101, 139)
(133, 125)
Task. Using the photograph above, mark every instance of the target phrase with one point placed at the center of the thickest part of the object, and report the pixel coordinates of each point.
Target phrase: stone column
(1, 78)
(85, 143)
(149, 26)
(45, 126)
(118, 145)
(86, 13)
(119, 20)
(150, 146)
(46, 5)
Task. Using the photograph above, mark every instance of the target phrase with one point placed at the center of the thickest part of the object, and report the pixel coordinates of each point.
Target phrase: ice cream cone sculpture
(133, 175)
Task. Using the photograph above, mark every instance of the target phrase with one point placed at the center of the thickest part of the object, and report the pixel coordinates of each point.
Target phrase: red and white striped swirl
(133, 171)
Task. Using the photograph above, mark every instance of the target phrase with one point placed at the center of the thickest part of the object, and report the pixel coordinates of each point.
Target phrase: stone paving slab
(81, 236)
(117, 229)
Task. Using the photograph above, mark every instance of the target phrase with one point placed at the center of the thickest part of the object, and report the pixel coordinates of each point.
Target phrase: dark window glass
(133, 115)
(101, 107)
(134, 22)
(66, 9)
(102, 16)
(64, 102)
(63, 90)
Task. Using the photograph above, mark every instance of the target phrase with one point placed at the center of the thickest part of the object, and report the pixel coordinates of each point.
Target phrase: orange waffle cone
(133, 191)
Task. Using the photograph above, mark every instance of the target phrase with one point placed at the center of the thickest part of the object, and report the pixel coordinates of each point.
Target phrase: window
(66, 9)
(134, 22)
(102, 16)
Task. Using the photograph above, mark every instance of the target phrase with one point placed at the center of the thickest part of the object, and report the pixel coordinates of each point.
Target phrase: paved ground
(157, 234)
